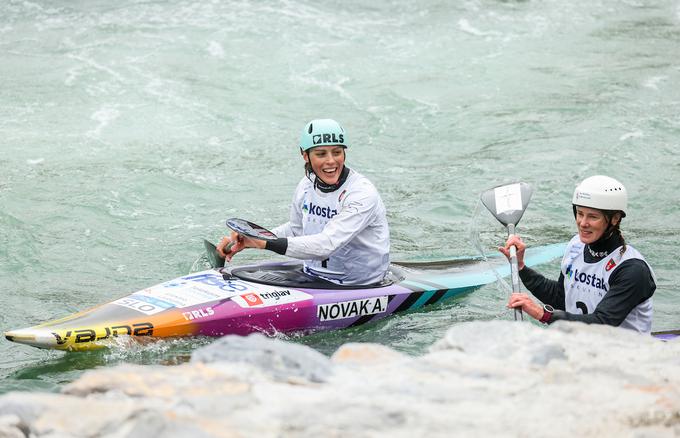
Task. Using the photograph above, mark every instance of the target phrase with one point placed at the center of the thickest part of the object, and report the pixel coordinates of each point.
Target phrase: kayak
(270, 298)
(274, 297)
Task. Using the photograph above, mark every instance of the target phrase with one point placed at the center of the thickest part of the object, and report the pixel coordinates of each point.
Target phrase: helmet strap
(327, 188)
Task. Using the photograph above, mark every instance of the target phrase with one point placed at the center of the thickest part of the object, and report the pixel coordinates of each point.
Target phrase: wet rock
(365, 354)
(283, 360)
(11, 426)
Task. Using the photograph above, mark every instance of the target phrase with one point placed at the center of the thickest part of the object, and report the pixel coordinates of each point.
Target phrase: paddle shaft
(514, 269)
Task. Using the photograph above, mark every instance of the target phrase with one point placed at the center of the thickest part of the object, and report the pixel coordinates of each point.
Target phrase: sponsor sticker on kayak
(351, 309)
(201, 288)
(252, 299)
(143, 304)
(267, 296)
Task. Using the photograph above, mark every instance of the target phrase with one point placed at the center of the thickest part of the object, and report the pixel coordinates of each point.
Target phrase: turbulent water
(130, 130)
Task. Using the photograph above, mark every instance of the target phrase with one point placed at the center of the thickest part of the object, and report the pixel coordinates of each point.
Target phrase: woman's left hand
(516, 241)
(528, 306)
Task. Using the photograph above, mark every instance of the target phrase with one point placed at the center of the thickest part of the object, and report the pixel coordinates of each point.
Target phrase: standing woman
(603, 280)
(338, 222)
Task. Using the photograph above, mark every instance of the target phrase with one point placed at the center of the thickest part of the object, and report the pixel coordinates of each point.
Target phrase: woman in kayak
(338, 222)
(603, 280)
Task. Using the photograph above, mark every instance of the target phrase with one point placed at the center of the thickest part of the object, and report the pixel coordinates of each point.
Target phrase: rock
(365, 354)
(11, 426)
(283, 360)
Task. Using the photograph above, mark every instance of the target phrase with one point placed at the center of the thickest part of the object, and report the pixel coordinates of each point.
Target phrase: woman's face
(592, 224)
(327, 162)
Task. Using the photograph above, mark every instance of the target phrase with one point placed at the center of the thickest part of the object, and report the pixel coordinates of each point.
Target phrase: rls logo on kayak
(252, 299)
(198, 314)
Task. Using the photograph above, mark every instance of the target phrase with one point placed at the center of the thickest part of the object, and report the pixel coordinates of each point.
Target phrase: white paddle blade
(508, 202)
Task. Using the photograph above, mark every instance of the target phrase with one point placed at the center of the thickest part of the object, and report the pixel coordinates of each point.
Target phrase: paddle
(214, 258)
(507, 203)
(243, 227)
(250, 229)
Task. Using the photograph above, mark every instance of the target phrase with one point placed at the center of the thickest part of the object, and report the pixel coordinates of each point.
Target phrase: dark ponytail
(615, 229)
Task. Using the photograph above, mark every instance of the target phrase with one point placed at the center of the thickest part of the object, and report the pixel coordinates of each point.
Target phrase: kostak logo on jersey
(324, 212)
(590, 280)
(351, 309)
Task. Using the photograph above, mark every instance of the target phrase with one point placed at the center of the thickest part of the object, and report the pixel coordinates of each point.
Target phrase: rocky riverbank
(495, 378)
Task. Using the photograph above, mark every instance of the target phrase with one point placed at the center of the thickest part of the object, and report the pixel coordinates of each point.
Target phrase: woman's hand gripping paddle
(214, 258)
(242, 227)
(507, 203)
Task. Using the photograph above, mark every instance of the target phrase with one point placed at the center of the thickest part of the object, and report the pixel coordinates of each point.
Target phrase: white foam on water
(104, 115)
(215, 49)
(653, 82)
(467, 27)
(629, 135)
(97, 66)
(321, 76)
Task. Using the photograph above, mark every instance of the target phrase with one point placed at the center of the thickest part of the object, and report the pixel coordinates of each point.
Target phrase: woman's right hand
(515, 240)
(524, 302)
(229, 246)
(236, 243)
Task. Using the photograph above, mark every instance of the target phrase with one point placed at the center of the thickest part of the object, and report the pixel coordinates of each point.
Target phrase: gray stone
(282, 360)
(11, 426)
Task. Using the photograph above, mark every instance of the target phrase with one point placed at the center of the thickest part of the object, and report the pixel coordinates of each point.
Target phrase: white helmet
(601, 192)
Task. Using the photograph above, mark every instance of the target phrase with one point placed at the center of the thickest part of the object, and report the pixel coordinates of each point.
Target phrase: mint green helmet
(323, 132)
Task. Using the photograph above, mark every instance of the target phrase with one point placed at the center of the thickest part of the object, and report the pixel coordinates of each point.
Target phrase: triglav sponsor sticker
(267, 296)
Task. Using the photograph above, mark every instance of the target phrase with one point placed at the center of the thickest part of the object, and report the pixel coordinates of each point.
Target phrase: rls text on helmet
(328, 138)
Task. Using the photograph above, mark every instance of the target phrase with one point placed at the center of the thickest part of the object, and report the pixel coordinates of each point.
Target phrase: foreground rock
(483, 379)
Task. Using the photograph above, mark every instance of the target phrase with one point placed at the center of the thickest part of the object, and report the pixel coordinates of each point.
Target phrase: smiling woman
(602, 280)
(338, 222)
(327, 163)
(592, 223)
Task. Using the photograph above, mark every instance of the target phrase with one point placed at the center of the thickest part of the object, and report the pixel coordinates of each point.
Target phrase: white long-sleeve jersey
(342, 236)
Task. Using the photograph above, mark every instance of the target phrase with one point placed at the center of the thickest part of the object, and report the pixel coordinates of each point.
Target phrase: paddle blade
(250, 229)
(508, 202)
(215, 260)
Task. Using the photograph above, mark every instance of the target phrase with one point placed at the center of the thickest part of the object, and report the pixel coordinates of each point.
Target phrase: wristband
(279, 245)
